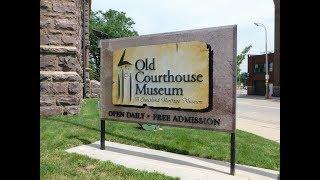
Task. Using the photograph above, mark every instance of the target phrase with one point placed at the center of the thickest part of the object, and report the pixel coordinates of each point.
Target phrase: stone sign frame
(222, 42)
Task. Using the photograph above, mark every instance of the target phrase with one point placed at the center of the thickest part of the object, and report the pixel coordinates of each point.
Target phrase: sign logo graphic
(125, 67)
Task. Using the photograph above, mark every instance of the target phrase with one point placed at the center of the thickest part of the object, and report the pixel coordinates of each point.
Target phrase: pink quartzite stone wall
(64, 44)
(60, 93)
(94, 89)
(61, 28)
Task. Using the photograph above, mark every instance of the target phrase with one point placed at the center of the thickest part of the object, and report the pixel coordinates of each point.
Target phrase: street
(259, 116)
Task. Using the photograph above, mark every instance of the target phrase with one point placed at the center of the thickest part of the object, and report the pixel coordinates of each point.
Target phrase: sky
(159, 16)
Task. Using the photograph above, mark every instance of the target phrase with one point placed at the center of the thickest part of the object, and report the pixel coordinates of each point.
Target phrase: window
(270, 67)
(259, 68)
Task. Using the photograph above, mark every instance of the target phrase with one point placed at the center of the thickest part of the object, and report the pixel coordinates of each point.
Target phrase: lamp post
(267, 69)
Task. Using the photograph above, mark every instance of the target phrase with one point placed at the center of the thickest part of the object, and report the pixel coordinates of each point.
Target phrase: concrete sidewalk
(264, 129)
(171, 164)
(241, 95)
(259, 116)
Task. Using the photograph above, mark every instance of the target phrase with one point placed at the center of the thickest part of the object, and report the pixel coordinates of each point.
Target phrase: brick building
(256, 70)
(64, 50)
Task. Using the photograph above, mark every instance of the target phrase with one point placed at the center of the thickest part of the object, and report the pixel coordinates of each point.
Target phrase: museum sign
(184, 78)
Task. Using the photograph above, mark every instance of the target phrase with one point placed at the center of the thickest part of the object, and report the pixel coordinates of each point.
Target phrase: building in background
(256, 63)
(256, 71)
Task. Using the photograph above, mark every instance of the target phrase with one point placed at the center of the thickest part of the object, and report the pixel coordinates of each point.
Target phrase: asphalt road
(259, 116)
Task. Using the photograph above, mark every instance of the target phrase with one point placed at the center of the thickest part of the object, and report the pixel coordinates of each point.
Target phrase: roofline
(260, 54)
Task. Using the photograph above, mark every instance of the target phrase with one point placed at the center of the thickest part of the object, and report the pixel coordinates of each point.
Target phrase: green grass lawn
(59, 133)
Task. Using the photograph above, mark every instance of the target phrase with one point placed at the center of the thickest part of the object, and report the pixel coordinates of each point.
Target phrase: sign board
(185, 78)
(174, 75)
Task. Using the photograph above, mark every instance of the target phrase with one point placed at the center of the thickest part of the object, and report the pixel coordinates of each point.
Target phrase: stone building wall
(64, 44)
(60, 93)
(61, 27)
(94, 89)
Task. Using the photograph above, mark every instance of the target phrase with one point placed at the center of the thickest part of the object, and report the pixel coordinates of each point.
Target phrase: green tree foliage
(243, 78)
(93, 72)
(240, 58)
(112, 23)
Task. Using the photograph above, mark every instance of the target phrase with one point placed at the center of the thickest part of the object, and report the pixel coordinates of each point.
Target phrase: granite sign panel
(185, 78)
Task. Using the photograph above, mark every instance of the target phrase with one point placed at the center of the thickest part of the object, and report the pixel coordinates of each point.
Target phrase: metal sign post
(232, 153)
(102, 134)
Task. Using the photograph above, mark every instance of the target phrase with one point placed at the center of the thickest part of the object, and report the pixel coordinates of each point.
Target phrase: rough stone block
(68, 100)
(45, 77)
(59, 49)
(74, 77)
(94, 84)
(45, 87)
(65, 24)
(60, 87)
(69, 40)
(70, 63)
(54, 31)
(59, 76)
(67, 62)
(55, 39)
(45, 23)
(51, 110)
(71, 110)
(44, 39)
(75, 88)
(47, 100)
(45, 5)
(64, 7)
(96, 91)
(93, 95)
(48, 62)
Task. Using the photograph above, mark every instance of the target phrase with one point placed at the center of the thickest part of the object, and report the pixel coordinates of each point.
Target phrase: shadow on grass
(155, 157)
(84, 141)
(148, 144)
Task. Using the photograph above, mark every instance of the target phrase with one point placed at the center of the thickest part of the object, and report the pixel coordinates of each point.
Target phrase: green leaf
(113, 23)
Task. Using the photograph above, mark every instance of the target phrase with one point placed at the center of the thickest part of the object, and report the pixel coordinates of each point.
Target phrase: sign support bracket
(102, 134)
(232, 152)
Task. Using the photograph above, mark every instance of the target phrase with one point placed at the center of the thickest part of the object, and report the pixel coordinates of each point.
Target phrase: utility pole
(266, 65)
